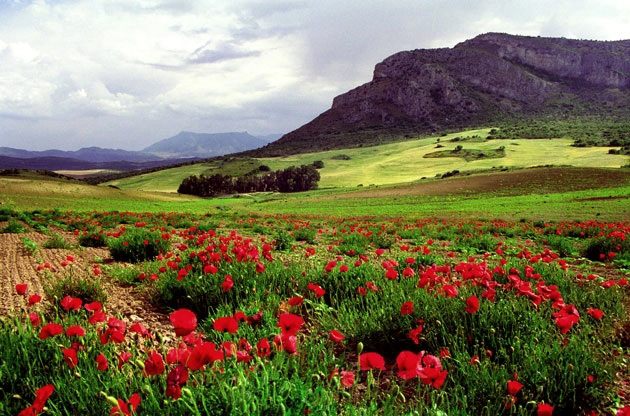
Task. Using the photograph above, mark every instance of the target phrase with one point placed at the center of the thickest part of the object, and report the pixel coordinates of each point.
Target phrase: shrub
(92, 239)
(318, 164)
(29, 245)
(14, 227)
(600, 248)
(57, 241)
(137, 245)
(283, 240)
(88, 290)
(353, 243)
(305, 234)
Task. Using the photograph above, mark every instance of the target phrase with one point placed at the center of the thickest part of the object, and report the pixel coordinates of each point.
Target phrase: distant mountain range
(491, 79)
(182, 147)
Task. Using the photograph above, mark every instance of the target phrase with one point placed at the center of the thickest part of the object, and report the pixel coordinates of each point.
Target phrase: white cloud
(129, 72)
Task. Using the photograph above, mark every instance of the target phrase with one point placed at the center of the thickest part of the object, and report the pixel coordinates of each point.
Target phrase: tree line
(291, 179)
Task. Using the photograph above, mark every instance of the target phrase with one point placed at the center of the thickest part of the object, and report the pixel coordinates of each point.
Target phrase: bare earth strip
(19, 266)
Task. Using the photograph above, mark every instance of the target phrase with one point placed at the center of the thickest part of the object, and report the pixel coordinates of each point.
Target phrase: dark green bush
(283, 240)
(13, 227)
(305, 234)
(92, 239)
(136, 245)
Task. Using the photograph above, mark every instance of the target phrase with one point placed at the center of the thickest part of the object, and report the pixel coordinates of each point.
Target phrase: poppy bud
(492, 331)
(540, 389)
(359, 348)
(438, 323)
(186, 391)
(570, 367)
(139, 363)
(146, 389)
(346, 394)
(77, 374)
(112, 400)
(17, 396)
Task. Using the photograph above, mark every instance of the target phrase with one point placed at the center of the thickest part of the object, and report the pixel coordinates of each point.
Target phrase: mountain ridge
(481, 81)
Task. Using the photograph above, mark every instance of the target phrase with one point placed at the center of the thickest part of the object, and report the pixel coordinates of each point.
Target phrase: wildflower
(406, 308)
(472, 304)
(336, 336)
(20, 288)
(50, 330)
(101, 362)
(544, 409)
(370, 360)
(184, 321)
(226, 324)
(290, 323)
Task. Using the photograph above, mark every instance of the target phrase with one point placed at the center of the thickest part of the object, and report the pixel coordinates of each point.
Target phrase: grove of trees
(291, 179)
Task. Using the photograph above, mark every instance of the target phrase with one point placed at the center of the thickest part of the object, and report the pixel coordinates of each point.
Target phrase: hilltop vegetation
(399, 162)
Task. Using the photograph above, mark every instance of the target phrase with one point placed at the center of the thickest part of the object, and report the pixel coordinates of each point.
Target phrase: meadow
(396, 163)
(174, 313)
(484, 292)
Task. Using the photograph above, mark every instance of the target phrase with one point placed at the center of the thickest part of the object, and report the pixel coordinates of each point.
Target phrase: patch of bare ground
(17, 265)
(517, 182)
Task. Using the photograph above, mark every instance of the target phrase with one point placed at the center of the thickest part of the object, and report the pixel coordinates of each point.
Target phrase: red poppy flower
(70, 303)
(347, 379)
(286, 342)
(153, 365)
(41, 395)
(176, 378)
(70, 357)
(544, 409)
(35, 319)
(123, 358)
(391, 274)
(296, 301)
(430, 370)
(96, 317)
(407, 363)
(227, 284)
(472, 304)
(336, 336)
(408, 272)
(263, 348)
(33, 299)
(415, 333)
(226, 324)
(101, 362)
(50, 330)
(184, 321)
(260, 267)
(126, 408)
(514, 387)
(595, 313)
(406, 308)
(20, 288)
(93, 306)
(450, 290)
(289, 323)
(75, 331)
(370, 360)
(139, 329)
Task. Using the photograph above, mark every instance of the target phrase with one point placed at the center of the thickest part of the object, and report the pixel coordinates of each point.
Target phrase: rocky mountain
(488, 79)
(201, 145)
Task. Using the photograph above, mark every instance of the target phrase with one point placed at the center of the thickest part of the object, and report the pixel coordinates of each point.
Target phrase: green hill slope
(399, 162)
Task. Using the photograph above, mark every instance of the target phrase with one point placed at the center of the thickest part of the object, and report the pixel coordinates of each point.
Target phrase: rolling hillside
(400, 162)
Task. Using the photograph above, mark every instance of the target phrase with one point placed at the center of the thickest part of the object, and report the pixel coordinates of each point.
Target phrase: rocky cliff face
(488, 78)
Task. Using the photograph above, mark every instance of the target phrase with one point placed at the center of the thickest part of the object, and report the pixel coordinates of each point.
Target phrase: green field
(396, 163)
(541, 193)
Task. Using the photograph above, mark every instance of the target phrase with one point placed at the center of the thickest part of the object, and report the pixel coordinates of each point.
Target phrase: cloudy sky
(126, 73)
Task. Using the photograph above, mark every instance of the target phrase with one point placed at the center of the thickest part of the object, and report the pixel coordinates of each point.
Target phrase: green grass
(393, 163)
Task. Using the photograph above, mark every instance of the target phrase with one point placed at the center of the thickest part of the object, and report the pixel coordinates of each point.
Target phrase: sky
(127, 73)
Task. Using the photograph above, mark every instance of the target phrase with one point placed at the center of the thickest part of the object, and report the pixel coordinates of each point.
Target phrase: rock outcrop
(489, 78)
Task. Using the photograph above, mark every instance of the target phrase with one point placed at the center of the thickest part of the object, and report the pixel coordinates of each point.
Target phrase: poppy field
(170, 313)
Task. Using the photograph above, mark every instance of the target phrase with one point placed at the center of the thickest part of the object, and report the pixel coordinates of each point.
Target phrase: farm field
(542, 194)
(396, 163)
(227, 313)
